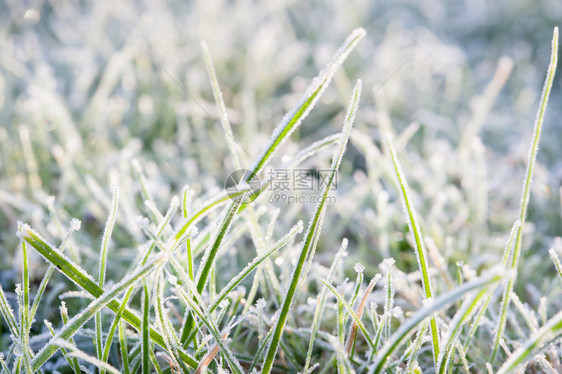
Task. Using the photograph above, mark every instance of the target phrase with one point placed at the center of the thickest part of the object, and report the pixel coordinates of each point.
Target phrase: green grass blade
(145, 346)
(352, 313)
(8, 314)
(295, 116)
(288, 125)
(312, 233)
(107, 236)
(79, 320)
(103, 264)
(436, 304)
(25, 322)
(74, 226)
(124, 347)
(415, 230)
(320, 304)
(526, 192)
(468, 308)
(86, 282)
(548, 332)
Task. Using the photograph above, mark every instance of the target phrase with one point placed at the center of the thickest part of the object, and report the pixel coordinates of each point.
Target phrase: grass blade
(415, 230)
(556, 261)
(85, 281)
(124, 348)
(545, 334)
(103, 264)
(288, 125)
(75, 352)
(217, 93)
(449, 342)
(79, 320)
(145, 346)
(352, 313)
(526, 193)
(320, 304)
(396, 340)
(313, 232)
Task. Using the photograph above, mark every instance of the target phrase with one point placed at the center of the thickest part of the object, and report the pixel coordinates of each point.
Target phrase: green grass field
(280, 187)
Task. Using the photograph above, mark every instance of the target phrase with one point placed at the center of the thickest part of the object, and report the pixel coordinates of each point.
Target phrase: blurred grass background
(85, 87)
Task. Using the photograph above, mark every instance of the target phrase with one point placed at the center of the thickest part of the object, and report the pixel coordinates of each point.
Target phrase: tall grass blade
(526, 192)
(313, 232)
(288, 125)
(415, 230)
(103, 264)
(320, 304)
(145, 345)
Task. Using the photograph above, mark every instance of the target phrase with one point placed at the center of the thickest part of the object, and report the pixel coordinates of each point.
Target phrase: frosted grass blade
(397, 339)
(103, 264)
(556, 261)
(352, 313)
(85, 281)
(526, 192)
(74, 351)
(288, 125)
(312, 233)
(80, 319)
(548, 332)
(415, 230)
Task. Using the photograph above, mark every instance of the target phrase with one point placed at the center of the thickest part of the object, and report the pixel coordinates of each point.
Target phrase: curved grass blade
(468, 308)
(397, 339)
(80, 319)
(313, 232)
(526, 193)
(290, 122)
(548, 332)
(85, 281)
(415, 230)
(75, 352)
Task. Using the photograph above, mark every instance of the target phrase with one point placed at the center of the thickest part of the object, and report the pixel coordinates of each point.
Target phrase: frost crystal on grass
(359, 268)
